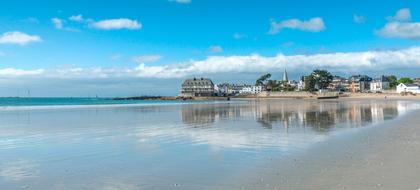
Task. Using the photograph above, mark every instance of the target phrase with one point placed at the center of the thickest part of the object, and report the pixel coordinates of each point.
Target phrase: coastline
(384, 156)
(307, 95)
(280, 95)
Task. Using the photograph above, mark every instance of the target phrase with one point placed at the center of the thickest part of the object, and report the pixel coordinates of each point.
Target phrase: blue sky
(117, 48)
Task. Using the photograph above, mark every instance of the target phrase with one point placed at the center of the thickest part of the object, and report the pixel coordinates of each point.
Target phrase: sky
(127, 48)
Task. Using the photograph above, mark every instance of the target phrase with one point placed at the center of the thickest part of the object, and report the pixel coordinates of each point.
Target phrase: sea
(66, 101)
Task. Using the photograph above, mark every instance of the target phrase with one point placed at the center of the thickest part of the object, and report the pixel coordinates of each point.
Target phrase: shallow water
(178, 146)
(57, 102)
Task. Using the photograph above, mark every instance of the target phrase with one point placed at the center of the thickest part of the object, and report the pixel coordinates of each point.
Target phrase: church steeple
(285, 77)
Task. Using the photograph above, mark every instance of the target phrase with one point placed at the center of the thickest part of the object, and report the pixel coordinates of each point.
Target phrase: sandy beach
(385, 156)
(344, 143)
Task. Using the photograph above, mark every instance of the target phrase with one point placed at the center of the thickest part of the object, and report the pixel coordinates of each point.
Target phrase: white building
(293, 83)
(226, 89)
(301, 84)
(251, 90)
(379, 84)
(413, 88)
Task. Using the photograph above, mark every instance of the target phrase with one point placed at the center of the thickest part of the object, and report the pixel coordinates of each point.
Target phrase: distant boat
(326, 97)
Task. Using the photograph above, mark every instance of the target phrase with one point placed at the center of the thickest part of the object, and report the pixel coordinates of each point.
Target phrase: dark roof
(357, 78)
(411, 85)
(382, 79)
(198, 81)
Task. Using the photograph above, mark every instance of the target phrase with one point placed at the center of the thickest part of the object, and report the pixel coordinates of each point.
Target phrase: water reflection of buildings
(289, 114)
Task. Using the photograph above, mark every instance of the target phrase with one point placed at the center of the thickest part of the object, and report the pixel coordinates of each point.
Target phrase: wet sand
(266, 144)
(386, 156)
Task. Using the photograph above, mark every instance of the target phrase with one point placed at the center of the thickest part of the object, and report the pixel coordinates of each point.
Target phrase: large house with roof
(197, 87)
(410, 88)
(380, 84)
(339, 84)
(359, 83)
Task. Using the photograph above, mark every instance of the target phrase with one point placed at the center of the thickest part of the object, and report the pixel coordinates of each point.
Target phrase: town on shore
(318, 82)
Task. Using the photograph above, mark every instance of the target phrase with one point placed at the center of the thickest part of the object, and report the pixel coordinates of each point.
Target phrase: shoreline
(279, 95)
(383, 156)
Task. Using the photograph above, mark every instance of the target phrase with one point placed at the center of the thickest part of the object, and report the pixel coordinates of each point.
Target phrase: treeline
(318, 79)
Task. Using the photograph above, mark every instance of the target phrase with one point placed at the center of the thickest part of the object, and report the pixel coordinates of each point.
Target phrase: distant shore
(314, 95)
(279, 95)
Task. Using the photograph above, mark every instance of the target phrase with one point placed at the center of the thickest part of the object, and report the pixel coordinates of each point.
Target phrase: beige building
(359, 83)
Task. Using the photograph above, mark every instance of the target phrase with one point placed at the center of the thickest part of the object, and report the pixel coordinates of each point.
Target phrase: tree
(262, 80)
(392, 81)
(322, 78)
(309, 83)
(288, 87)
(272, 85)
(405, 80)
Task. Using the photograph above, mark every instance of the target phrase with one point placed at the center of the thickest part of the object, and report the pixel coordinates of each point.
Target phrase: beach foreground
(382, 157)
(255, 144)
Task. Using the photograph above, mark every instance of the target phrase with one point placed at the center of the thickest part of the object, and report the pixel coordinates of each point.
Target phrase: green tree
(262, 80)
(272, 85)
(309, 83)
(288, 87)
(322, 78)
(393, 82)
(405, 80)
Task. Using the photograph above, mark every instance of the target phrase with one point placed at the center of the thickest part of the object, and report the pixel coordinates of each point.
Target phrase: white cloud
(12, 72)
(353, 61)
(349, 62)
(399, 26)
(20, 38)
(312, 25)
(146, 58)
(76, 18)
(58, 23)
(116, 24)
(181, 1)
(215, 49)
(402, 15)
(401, 30)
(239, 36)
(359, 19)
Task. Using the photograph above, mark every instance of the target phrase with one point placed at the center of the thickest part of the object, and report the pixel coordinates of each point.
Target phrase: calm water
(13, 101)
(159, 146)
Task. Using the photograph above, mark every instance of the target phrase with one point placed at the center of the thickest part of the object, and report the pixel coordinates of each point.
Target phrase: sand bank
(385, 156)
